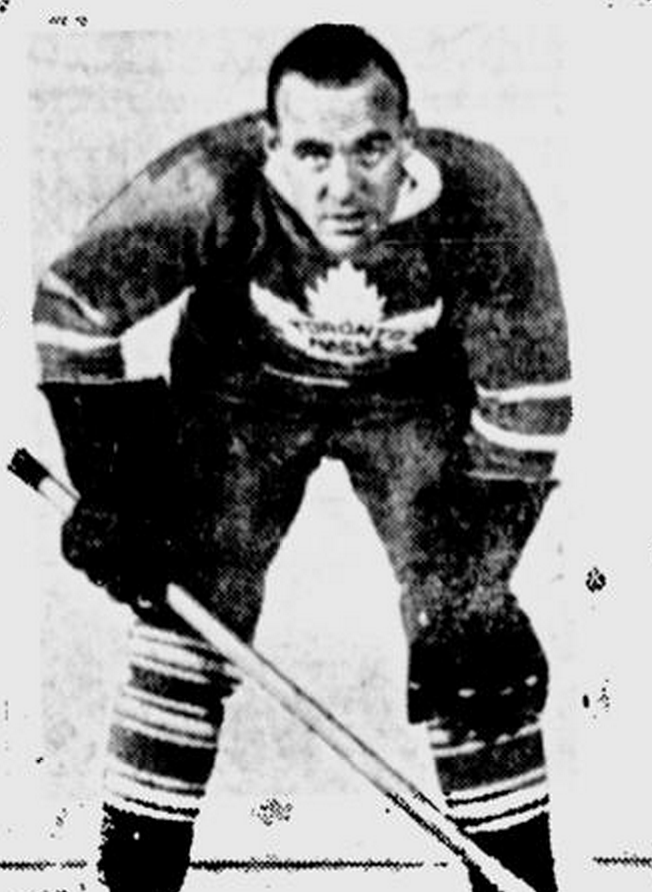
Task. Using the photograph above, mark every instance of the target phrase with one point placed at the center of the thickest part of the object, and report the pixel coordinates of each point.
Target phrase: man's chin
(344, 243)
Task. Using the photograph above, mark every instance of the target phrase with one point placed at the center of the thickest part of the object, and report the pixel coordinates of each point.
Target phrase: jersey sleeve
(516, 341)
(142, 250)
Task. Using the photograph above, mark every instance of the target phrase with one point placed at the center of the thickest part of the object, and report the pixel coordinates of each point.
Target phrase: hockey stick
(303, 707)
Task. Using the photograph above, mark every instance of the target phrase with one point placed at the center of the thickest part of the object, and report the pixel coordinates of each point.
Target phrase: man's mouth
(347, 221)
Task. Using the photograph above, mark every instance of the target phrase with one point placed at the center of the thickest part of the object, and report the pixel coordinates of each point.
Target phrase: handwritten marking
(601, 703)
(595, 580)
(59, 822)
(63, 20)
(272, 811)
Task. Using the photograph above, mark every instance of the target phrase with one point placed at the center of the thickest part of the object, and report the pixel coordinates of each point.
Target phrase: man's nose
(341, 178)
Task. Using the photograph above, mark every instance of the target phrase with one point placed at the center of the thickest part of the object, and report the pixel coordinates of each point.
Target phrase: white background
(566, 100)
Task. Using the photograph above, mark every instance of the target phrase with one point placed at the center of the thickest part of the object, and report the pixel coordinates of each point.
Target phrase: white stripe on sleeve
(546, 391)
(53, 282)
(513, 439)
(78, 342)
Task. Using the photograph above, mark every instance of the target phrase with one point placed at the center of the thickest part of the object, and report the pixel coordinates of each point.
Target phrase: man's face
(339, 152)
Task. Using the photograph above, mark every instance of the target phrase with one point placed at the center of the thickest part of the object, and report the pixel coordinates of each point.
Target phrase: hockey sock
(162, 745)
(496, 791)
(165, 725)
(142, 854)
(524, 849)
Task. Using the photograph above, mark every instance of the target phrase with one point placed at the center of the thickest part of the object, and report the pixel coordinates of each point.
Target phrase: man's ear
(270, 136)
(409, 130)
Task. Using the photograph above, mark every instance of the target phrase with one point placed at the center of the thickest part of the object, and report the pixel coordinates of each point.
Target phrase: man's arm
(516, 340)
(512, 325)
(143, 249)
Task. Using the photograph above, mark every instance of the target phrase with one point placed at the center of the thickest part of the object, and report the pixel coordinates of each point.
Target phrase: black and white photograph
(325, 520)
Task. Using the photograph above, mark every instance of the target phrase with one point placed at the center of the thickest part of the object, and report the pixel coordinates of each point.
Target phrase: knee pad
(478, 675)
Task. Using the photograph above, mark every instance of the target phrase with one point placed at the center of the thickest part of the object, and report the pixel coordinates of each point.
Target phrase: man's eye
(369, 155)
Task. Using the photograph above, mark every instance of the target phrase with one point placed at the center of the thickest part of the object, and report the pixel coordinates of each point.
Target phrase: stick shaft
(303, 707)
(358, 754)
(58, 494)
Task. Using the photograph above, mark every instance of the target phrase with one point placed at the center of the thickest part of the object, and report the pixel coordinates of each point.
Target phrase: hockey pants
(478, 677)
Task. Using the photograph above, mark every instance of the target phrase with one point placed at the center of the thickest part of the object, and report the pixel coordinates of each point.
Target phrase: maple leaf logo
(345, 323)
(344, 295)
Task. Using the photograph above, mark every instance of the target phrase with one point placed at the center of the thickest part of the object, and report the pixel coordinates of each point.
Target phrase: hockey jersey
(455, 303)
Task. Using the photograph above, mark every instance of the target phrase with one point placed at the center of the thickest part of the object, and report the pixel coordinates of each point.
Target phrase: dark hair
(334, 54)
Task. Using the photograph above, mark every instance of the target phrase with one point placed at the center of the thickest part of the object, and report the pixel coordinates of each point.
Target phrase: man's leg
(163, 741)
(491, 767)
(141, 853)
(478, 677)
(241, 486)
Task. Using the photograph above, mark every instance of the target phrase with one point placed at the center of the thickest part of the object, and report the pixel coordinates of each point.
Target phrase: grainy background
(102, 104)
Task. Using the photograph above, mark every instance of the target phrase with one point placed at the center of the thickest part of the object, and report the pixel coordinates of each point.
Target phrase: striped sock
(497, 792)
(525, 850)
(164, 732)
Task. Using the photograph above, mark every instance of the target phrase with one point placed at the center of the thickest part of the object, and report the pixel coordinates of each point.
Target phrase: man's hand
(487, 673)
(122, 552)
(118, 443)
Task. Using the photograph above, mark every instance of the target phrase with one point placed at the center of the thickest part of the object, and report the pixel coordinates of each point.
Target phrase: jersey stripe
(541, 391)
(59, 288)
(515, 440)
(79, 342)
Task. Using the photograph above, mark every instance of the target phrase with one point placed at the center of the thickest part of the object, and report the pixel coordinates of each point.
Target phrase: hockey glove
(117, 446)
(477, 663)
(120, 551)
(486, 679)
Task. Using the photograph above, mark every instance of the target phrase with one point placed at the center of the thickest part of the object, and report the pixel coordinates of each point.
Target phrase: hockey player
(355, 287)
